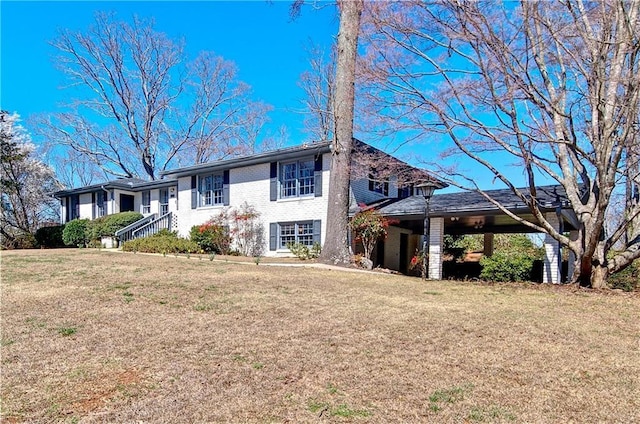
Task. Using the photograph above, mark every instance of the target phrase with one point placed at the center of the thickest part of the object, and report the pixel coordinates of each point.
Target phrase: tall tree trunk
(336, 246)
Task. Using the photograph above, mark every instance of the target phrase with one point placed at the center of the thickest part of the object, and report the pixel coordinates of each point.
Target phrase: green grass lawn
(99, 336)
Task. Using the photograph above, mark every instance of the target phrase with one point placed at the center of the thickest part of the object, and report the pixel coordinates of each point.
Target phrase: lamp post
(426, 190)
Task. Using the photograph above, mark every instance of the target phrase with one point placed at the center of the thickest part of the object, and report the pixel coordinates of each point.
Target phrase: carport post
(552, 271)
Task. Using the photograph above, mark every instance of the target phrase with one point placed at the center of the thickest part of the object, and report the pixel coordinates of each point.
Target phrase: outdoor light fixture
(426, 189)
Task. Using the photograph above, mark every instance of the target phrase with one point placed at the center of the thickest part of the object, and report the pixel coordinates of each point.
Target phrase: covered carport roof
(472, 212)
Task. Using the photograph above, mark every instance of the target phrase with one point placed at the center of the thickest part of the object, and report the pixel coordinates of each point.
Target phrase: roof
(317, 148)
(131, 184)
(549, 197)
(169, 177)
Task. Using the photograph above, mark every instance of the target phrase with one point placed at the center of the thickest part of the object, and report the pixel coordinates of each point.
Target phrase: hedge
(163, 242)
(75, 233)
(50, 237)
(106, 226)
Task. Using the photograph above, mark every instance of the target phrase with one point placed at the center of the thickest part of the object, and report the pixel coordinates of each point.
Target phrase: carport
(471, 213)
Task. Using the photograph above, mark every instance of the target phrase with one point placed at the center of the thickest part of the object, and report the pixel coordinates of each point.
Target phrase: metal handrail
(153, 227)
(126, 233)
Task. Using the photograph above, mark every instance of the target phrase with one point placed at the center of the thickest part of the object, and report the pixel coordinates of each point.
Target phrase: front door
(126, 203)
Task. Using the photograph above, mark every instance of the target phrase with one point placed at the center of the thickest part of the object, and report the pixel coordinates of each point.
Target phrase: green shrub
(106, 226)
(75, 233)
(211, 237)
(21, 241)
(163, 242)
(303, 252)
(50, 236)
(628, 279)
(503, 267)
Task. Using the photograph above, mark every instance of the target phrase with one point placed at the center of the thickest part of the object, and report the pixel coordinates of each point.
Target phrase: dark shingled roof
(549, 197)
(131, 184)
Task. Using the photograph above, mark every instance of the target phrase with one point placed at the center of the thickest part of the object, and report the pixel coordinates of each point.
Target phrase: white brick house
(289, 188)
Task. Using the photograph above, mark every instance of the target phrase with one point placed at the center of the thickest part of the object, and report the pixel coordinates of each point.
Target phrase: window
(406, 191)
(100, 203)
(296, 232)
(73, 207)
(297, 178)
(210, 188)
(164, 201)
(378, 186)
(146, 201)
(303, 232)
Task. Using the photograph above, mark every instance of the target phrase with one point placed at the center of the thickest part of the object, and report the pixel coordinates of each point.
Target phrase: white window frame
(101, 199)
(300, 182)
(210, 193)
(296, 232)
(145, 203)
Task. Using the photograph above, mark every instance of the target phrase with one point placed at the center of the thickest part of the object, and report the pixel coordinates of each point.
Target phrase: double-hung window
(146, 201)
(295, 232)
(210, 188)
(297, 178)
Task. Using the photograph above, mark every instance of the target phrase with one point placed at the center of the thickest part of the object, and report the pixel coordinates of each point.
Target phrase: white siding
(86, 206)
(250, 184)
(392, 248)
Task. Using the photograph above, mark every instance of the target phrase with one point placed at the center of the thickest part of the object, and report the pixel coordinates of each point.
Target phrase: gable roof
(379, 158)
(315, 149)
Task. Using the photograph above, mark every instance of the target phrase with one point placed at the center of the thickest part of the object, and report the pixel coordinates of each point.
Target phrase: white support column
(173, 207)
(552, 271)
(63, 210)
(436, 235)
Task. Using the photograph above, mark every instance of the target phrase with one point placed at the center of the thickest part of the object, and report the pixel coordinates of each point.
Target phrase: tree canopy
(554, 87)
(26, 184)
(139, 104)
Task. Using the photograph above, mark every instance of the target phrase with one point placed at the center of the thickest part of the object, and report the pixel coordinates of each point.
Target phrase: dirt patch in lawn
(98, 336)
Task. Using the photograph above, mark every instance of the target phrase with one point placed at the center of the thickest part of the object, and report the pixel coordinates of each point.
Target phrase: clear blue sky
(259, 36)
(268, 48)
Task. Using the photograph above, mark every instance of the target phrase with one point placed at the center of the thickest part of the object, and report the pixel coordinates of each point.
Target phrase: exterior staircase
(147, 226)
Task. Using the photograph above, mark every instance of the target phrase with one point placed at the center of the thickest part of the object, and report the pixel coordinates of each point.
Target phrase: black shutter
(94, 205)
(67, 209)
(317, 230)
(273, 181)
(225, 187)
(194, 192)
(273, 236)
(317, 184)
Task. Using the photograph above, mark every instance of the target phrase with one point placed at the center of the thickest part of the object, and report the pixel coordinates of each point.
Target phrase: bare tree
(552, 86)
(336, 246)
(25, 182)
(141, 105)
(318, 84)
